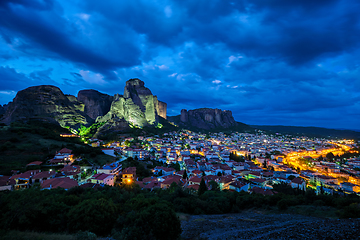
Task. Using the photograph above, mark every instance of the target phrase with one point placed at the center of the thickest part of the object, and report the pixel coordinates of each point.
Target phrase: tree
(202, 187)
(176, 166)
(214, 186)
(330, 156)
(148, 219)
(185, 176)
(264, 164)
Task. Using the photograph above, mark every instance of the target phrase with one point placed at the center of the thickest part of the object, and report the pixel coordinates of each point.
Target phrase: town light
(129, 180)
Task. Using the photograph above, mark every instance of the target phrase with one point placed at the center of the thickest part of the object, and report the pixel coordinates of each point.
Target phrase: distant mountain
(207, 119)
(310, 131)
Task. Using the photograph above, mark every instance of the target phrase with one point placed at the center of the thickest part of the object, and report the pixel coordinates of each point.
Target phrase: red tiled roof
(26, 175)
(59, 182)
(226, 179)
(71, 168)
(34, 163)
(258, 180)
(297, 180)
(44, 174)
(237, 184)
(100, 176)
(261, 191)
(195, 179)
(153, 184)
(65, 150)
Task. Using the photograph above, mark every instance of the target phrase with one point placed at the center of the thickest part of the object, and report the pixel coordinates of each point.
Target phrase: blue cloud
(270, 62)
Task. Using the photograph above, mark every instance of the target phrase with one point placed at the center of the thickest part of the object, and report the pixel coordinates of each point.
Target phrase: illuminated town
(236, 162)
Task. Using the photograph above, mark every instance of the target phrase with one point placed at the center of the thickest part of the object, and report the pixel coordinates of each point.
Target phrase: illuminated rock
(46, 103)
(162, 111)
(138, 106)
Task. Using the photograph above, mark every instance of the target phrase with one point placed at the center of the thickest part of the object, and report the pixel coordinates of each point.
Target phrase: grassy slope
(22, 144)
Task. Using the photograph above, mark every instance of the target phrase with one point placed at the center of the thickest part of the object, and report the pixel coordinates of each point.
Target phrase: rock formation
(3, 109)
(96, 103)
(162, 111)
(46, 103)
(206, 118)
(138, 106)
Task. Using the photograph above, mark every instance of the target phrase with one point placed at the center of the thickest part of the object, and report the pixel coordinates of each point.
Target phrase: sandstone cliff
(96, 103)
(206, 118)
(138, 106)
(46, 103)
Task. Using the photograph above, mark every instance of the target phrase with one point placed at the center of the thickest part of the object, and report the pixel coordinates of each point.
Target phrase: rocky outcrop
(48, 103)
(3, 109)
(207, 118)
(162, 111)
(138, 106)
(96, 103)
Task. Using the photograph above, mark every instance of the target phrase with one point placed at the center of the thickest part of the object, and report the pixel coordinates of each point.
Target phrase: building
(128, 175)
(103, 178)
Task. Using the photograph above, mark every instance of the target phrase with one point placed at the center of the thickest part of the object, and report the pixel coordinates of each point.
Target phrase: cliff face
(3, 109)
(46, 103)
(206, 118)
(138, 105)
(162, 111)
(96, 103)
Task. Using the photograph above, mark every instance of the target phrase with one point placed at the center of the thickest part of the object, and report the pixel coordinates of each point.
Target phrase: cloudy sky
(286, 62)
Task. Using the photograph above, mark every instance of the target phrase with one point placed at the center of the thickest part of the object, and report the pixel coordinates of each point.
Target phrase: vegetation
(88, 132)
(104, 212)
(21, 144)
(131, 213)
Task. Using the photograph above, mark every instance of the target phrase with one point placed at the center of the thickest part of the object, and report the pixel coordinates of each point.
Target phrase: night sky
(275, 62)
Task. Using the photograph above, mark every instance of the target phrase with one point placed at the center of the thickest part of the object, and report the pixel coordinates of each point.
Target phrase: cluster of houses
(201, 157)
(212, 158)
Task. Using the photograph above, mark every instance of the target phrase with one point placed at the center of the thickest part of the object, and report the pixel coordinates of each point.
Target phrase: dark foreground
(252, 225)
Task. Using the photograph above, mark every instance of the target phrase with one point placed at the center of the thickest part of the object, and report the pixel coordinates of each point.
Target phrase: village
(234, 162)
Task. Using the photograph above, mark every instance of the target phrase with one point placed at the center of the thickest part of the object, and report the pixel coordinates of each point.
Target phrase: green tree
(91, 214)
(202, 187)
(148, 219)
(214, 186)
(330, 156)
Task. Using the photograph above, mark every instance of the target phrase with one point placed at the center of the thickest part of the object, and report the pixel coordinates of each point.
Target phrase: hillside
(21, 144)
(310, 131)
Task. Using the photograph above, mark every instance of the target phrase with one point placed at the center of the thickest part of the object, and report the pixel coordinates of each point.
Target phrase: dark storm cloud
(12, 81)
(49, 31)
(279, 61)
